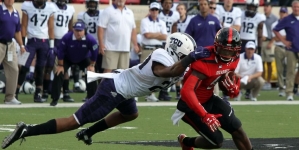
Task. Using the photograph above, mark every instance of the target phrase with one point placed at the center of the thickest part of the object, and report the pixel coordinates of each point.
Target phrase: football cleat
(81, 135)
(180, 139)
(19, 133)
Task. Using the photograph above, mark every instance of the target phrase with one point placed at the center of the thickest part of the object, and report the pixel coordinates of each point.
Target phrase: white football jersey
(140, 79)
(38, 19)
(90, 22)
(182, 25)
(249, 26)
(229, 18)
(62, 18)
(169, 19)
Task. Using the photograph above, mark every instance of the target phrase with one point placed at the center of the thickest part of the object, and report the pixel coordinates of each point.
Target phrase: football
(231, 75)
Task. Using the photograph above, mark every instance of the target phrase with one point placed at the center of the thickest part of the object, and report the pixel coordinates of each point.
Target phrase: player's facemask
(250, 10)
(226, 53)
(39, 2)
(92, 5)
(61, 2)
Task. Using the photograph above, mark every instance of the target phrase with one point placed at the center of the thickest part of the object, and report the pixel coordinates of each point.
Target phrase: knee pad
(39, 75)
(22, 74)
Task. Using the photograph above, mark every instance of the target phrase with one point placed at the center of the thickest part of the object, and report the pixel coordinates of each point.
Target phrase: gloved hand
(211, 121)
(232, 87)
(52, 51)
(30, 76)
(200, 52)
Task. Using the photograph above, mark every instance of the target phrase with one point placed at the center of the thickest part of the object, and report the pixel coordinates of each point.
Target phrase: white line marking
(61, 105)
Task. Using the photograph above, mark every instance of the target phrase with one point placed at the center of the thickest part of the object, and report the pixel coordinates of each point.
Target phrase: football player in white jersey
(184, 18)
(63, 22)
(229, 16)
(38, 26)
(160, 70)
(252, 25)
(90, 18)
(168, 16)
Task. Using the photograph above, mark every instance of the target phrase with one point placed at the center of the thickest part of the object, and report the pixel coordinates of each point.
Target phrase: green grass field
(153, 124)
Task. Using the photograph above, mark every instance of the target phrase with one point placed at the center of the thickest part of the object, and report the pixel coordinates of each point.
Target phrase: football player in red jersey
(200, 108)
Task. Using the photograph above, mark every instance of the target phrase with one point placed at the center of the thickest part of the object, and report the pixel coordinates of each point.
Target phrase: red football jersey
(212, 68)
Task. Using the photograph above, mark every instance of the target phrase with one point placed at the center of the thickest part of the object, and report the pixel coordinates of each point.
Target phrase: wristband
(60, 65)
(51, 42)
(23, 40)
(22, 46)
(186, 61)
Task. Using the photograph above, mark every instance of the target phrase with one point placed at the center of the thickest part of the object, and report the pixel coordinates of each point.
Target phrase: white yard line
(60, 105)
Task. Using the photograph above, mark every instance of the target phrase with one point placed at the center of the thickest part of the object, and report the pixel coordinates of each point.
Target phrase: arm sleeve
(18, 26)
(259, 64)
(190, 28)
(24, 7)
(189, 96)
(103, 22)
(237, 70)
(280, 25)
(143, 27)
(80, 16)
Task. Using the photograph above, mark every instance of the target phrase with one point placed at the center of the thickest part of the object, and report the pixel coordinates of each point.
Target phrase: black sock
(296, 85)
(65, 85)
(18, 90)
(37, 91)
(189, 141)
(178, 90)
(46, 86)
(97, 127)
(44, 128)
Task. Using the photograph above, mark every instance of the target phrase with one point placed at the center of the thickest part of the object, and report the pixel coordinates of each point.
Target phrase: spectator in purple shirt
(76, 48)
(291, 25)
(204, 26)
(10, 28)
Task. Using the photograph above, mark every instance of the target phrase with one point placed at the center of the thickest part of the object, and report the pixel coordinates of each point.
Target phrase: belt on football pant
(37, 39)
(6, 43)
(151, 47)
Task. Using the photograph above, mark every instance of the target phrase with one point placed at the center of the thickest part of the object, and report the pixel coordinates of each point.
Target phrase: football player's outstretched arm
(179, 67)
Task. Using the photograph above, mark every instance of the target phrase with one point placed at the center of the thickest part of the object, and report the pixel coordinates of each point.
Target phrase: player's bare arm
(174, 27)
(24, 26)
(71, 25)
(260, 35)
(158, 36)
(51, 27)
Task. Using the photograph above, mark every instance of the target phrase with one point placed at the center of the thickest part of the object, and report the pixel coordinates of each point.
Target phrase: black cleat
(54, 102)
(81, 135)
(67, 98)
(78, 90)
(45, 97)
(19, 133)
